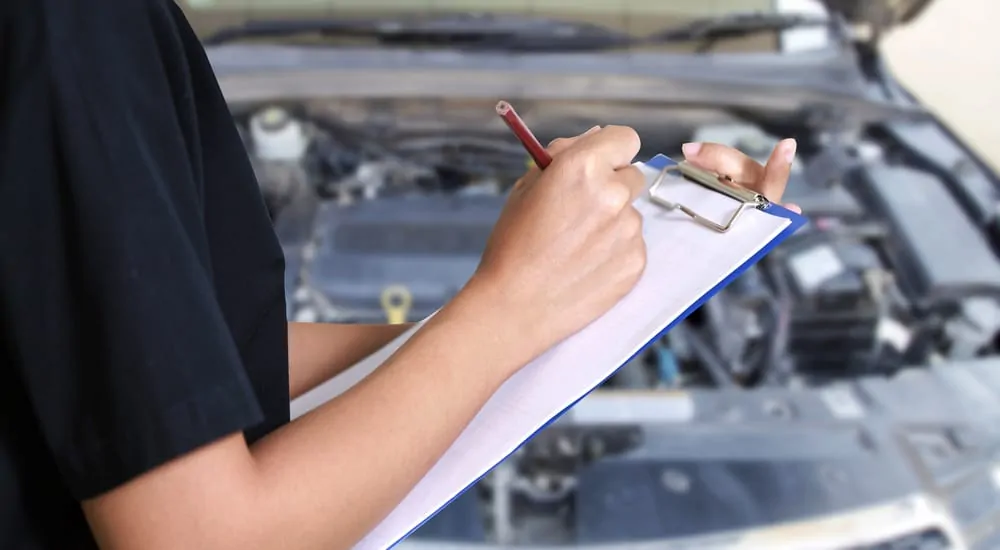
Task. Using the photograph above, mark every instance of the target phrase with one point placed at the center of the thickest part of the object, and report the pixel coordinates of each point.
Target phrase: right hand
(568, 244)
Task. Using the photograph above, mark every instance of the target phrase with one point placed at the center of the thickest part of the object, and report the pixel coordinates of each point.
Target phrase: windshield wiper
(471, 31)
(734, 25)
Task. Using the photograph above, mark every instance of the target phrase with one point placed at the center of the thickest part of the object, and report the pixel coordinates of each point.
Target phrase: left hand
(768, 180)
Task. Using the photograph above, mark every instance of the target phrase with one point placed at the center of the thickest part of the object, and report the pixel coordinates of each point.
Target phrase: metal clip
(721, 184)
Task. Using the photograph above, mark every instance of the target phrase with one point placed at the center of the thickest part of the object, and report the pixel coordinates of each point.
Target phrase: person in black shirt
(147, 365)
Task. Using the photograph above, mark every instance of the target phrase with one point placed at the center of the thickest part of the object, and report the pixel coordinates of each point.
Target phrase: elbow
(212, 497)
(233, 522)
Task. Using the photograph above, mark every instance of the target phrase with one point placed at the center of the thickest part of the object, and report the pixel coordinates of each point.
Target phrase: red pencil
(524, 135)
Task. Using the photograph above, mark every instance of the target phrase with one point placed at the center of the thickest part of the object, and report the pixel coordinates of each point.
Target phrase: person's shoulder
(97, 20)
(55, 11)
(23, 21)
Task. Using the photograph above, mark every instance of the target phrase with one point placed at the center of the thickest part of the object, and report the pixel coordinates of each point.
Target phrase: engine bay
(383, 210)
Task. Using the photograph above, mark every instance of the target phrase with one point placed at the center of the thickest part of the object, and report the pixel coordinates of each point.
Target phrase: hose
(713, 364)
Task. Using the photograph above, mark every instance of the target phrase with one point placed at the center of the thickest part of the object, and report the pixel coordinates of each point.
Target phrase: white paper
(685, 261)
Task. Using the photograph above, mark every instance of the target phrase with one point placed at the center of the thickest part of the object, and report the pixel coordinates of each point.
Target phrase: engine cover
(429, 244)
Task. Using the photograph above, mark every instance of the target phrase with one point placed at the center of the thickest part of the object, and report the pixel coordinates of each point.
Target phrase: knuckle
(564, 169)
(634, 264)
(588, 163)
(588, 170)
(571, 159)
(614, 198)
(628, 136)
(639, 260)
(633, 222)
(558, 145)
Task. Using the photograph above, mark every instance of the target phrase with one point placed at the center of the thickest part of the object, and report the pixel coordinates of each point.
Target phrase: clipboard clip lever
(722, 184)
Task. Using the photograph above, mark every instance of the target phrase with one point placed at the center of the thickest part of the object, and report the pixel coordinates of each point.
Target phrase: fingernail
(592, 130)
(690, 149)
(788, 147)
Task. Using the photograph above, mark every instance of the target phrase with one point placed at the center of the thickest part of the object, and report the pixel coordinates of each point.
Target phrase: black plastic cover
(930, 147)
(937, 250)
(429, 244)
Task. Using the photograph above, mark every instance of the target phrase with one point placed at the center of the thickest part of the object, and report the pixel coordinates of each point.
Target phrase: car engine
(383, 217)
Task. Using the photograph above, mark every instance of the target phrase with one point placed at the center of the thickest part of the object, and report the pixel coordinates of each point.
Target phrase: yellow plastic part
(396, 302)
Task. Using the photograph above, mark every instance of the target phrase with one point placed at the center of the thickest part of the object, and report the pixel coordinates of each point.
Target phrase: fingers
(559, 145)
(618, 146)
(769, 180)
(725, 161)
(779, 167)
(554, 148)
(634, 180)
(615, 145)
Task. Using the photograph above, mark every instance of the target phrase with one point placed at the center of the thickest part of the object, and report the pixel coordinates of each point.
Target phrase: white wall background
(950, 59)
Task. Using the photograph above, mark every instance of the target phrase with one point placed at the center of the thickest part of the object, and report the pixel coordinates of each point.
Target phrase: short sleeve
(110, 315)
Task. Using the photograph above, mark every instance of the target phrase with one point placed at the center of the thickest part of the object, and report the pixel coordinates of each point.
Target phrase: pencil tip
(503, 108)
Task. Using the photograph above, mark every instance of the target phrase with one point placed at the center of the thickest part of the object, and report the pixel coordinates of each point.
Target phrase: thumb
(554, 147)
(777, 170)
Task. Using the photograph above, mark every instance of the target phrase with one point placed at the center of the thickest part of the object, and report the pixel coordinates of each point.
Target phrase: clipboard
(661, 171)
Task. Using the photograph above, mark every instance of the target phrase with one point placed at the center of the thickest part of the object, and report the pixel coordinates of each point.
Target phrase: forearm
(328, 477)
(331, 475)
(319, 351)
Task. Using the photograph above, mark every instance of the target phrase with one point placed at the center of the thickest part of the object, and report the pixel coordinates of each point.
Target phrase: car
(842, 393)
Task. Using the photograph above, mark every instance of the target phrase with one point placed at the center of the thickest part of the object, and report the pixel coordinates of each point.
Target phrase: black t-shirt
(143, 312)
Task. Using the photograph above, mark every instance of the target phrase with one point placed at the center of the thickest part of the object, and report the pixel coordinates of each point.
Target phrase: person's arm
(319, 351)
(328, 477)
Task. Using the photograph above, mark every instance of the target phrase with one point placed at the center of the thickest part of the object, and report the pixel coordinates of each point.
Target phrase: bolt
(675, 481)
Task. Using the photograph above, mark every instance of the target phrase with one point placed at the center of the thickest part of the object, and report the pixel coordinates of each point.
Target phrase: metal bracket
(722, 184)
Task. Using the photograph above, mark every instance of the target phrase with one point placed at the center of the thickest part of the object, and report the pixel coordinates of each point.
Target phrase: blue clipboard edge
(658, 162)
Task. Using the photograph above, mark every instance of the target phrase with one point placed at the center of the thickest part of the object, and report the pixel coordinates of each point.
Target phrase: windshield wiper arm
(735, 25)
(474, 31)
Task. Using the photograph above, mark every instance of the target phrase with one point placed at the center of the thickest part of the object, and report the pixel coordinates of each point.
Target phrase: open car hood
(209, 15)
(878, 14)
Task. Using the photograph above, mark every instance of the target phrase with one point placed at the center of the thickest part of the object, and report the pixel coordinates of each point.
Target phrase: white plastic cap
(277, 136)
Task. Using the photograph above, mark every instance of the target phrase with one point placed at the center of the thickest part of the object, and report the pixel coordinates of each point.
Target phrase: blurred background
(843, 393)
(948, 58)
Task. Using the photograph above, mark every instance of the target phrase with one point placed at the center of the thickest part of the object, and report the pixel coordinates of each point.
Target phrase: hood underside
(879, 15)
(634, 17)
